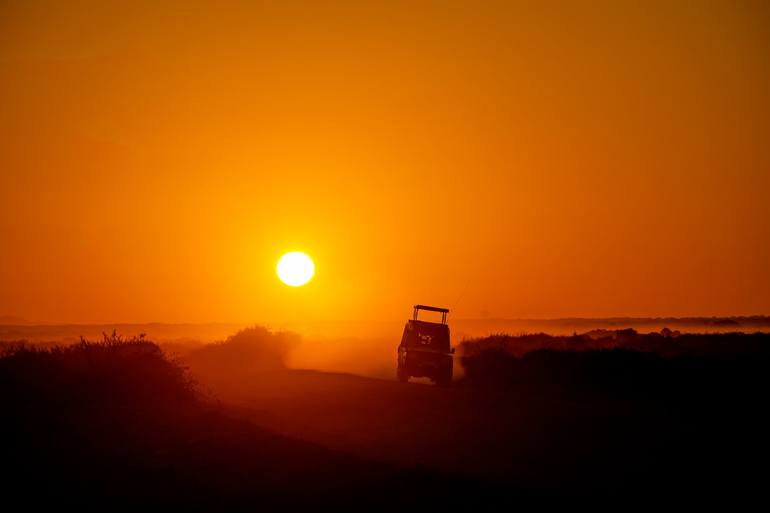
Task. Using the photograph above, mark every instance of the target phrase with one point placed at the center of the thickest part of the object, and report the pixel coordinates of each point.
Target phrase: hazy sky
(535, 159)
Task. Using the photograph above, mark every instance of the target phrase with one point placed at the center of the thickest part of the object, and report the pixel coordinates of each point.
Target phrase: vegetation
(659, 415)
(131, 370)
(115, 424)
(254, 347)
(692, 368)
(666, 343)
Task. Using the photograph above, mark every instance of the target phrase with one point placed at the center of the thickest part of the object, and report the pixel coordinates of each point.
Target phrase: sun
(295, 268)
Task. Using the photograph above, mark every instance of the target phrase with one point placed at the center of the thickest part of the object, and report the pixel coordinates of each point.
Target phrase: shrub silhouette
(122, 370)
(712, 344)
(250, 350)
(694, 369)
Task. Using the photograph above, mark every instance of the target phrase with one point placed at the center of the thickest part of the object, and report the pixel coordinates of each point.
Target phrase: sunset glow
(595, 159)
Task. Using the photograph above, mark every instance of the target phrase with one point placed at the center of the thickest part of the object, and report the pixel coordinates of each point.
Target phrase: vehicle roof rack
(443, 311)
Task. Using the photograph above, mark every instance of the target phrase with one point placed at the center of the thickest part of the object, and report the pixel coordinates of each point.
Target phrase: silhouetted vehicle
(424, 350)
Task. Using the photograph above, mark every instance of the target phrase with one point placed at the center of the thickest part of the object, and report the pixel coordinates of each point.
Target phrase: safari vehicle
(424, 350)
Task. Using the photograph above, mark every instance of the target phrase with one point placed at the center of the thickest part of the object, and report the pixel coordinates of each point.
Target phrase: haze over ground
(527, 160)
(364, 348)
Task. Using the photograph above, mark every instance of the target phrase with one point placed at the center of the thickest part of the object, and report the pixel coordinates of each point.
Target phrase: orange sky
(531, 160)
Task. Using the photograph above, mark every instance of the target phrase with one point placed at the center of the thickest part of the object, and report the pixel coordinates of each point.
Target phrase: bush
(251, 349)
(729, 367)
(114, 369)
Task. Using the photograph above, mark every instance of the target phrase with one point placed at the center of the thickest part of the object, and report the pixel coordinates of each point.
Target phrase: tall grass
(114, 369)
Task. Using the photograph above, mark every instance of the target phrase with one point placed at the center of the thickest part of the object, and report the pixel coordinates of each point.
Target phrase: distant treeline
(656, 366)
(666, 343)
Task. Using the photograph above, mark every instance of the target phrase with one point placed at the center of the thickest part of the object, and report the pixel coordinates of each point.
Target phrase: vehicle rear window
(428, 335)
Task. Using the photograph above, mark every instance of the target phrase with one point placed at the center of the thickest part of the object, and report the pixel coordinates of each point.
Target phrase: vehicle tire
(402, 375)
(444, 380)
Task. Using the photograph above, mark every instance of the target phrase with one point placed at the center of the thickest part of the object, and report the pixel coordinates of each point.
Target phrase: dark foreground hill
(585, 420)
(609, 418)
(116, 425)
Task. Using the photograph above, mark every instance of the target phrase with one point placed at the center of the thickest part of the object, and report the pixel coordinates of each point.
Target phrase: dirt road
(524, 438)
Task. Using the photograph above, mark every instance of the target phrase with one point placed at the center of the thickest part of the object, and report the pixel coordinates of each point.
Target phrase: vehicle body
(425, 350)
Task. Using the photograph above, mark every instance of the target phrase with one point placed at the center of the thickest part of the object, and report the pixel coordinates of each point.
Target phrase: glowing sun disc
(295, 268)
